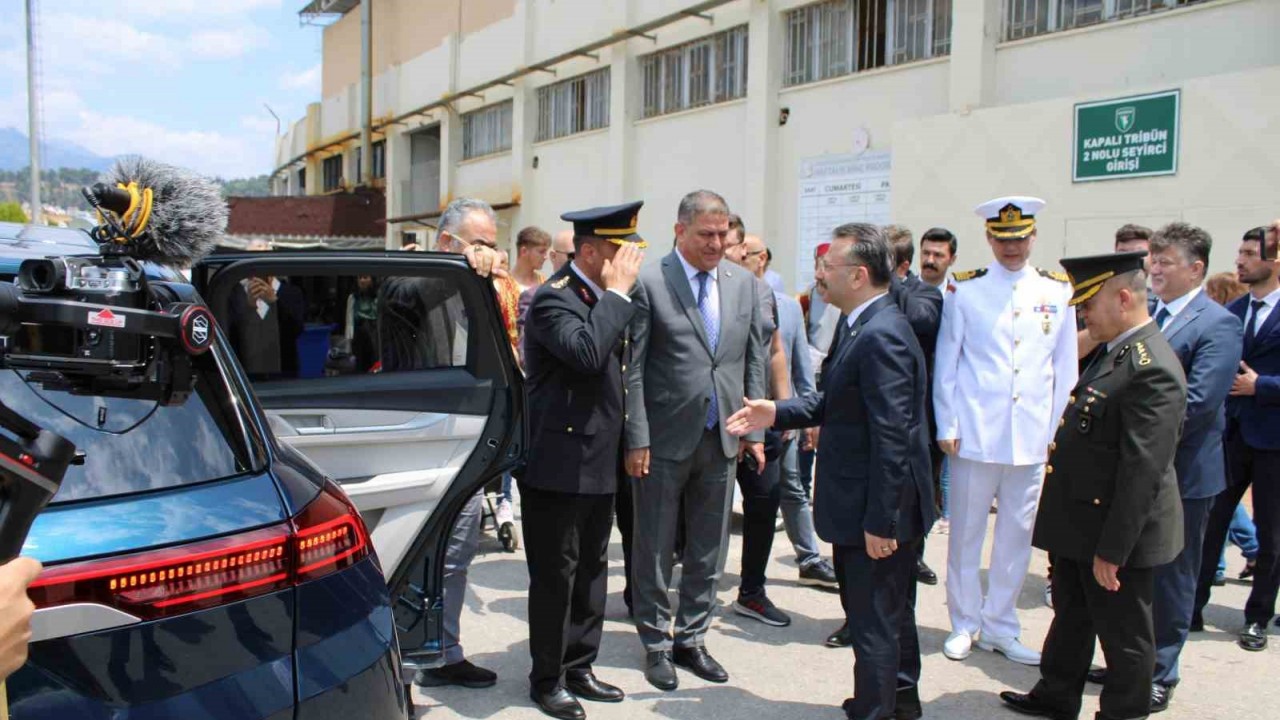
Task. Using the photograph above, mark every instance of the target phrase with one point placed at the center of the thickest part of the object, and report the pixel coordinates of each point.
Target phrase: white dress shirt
(1005, 364)
(1176, 306)
(856, 312)
(573, 265)
(713, 287)
(1263, 312)
(1125, 335)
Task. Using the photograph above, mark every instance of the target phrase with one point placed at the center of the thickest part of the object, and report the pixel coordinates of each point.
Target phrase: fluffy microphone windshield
(188, 215)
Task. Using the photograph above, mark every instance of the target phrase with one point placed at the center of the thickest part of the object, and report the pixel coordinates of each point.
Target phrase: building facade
(805, 114)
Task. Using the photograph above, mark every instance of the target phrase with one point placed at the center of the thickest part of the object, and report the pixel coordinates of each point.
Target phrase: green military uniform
(1110, 492)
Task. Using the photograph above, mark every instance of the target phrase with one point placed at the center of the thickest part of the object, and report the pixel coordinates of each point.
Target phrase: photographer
(15, 613)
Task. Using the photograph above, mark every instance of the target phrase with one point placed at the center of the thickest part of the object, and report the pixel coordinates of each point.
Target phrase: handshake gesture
(755, 415)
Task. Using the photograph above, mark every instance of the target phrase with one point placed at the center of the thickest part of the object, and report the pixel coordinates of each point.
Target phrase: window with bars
(573, 106)
(1027, 18)
(379, 160)
(709, 70)
(840, 37)
(486, 131)
(332, 173)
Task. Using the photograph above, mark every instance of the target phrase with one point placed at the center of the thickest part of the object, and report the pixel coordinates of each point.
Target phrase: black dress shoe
(1197, 623)
(840, 638)
(925, 574)
(558, 703)
(659, 671)
(1029, 704)
(1254, 637)
(1160, 697)
(587, 686)
(1097, 676)
(698, 661)
(461, 673)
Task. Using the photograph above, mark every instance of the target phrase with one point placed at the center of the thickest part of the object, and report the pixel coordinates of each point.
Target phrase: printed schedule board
(838, 189)
(1127, 137)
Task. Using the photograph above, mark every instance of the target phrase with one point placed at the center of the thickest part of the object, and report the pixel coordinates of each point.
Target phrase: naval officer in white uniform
(1005, 365)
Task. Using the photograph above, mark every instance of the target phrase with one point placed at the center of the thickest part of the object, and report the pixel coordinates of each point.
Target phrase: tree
(12, 212)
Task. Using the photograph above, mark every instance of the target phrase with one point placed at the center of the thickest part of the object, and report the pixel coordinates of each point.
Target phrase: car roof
(20, 242)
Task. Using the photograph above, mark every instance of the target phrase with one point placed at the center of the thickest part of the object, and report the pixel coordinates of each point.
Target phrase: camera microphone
(170, 216)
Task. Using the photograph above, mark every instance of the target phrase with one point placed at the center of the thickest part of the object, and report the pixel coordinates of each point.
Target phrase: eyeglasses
(478, 241)
(570, 255)
(757, 253)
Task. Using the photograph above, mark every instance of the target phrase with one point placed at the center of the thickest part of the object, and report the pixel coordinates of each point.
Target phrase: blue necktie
(1162, 317)
(713, 338)
(1251, 332)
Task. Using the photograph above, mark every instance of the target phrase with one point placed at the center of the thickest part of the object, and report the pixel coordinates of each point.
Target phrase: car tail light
(326, 536)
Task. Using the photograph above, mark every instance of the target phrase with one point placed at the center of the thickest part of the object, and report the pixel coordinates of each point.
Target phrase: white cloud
(264, 124)
(308, 80)
(183, 10)
(226, 44)
(213, 153)
(104, 46)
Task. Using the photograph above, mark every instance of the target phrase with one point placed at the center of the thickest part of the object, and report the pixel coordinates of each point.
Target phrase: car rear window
(136, 445)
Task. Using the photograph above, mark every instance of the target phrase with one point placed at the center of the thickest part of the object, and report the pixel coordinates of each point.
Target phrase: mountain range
(15, 153)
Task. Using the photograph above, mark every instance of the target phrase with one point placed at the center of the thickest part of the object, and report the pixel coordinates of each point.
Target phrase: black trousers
(623, 516)
(761, 499)
(879, 599)
(1121, 621)
(566, 540)
(1247, 467)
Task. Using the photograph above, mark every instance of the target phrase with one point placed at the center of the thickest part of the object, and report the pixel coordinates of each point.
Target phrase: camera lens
(42, 276)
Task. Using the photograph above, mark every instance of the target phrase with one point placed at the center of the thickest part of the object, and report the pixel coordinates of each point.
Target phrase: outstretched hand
(755, 415)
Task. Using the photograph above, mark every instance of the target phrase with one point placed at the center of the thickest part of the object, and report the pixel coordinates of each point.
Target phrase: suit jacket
(1207, 339)
(669, 382)
(1110, 488)
(795, 344)
(574, 346)
(922, 304)
(874, 471)
(1257, 417)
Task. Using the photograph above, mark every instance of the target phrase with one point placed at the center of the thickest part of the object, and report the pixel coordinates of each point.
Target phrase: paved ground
(785, 673)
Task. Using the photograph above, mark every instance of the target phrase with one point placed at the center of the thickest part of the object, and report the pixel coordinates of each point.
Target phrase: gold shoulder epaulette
(561, 284)
(1059, 276)
(968, 274)
(1144, 358)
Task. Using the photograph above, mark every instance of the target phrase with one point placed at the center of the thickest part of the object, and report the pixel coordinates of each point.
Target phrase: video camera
(94, 325)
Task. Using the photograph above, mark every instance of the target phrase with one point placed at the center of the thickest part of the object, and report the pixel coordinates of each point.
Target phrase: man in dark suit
(1206, 338)
(874, 495)
(922, 304)
(1253, 438)
(699, 348)
(1110, 511)
(575, 341)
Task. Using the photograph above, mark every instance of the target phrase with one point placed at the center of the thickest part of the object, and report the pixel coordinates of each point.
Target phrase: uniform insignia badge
(1124, 351)
(1086, 423)
(1052, 275)
(1045, 325)
(1143, 357)
(969, 274)
(561, 283)
(585, 294)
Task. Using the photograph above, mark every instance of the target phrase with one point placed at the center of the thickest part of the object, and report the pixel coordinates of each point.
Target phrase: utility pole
(33, 116)
(366, 93)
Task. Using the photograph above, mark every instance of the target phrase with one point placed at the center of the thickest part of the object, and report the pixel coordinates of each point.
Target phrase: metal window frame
(575, 105)
(487, 130)
(1022, 18)
(705, 71)
(331, 172)
(834, 38)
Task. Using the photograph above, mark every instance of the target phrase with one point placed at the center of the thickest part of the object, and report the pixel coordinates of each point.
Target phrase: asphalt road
(785, 673)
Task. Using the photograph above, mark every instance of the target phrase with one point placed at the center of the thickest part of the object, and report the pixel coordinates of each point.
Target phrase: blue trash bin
(313, 349)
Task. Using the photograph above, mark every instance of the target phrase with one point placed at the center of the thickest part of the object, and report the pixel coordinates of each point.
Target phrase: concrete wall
(993, 118)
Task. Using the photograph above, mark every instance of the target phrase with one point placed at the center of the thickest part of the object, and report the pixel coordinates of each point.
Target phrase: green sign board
(1128, 137)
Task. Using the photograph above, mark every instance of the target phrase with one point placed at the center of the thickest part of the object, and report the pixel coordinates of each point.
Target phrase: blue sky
(183, 81)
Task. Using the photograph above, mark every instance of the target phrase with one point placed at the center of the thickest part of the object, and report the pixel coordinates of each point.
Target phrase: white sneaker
(504, 512)
(1010, 648)
(958, 645)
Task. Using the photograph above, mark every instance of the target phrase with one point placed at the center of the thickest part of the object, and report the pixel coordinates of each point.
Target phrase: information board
(837, 189)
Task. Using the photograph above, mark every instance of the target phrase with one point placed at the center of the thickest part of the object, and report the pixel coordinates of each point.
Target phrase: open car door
(393, 374)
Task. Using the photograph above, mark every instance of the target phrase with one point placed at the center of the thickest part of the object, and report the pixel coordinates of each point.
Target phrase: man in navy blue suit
(1207, 340)
(1253, 437)
(874, 489)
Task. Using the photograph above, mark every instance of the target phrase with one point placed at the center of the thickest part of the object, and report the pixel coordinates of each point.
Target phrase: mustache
(929, 266)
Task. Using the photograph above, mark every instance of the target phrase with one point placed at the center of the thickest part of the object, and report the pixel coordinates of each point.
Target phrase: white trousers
(974, 485)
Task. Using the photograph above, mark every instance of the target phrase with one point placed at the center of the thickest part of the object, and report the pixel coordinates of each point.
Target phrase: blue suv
(267, 548)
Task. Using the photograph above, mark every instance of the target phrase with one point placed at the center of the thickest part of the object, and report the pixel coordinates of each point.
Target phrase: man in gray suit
(699, 349)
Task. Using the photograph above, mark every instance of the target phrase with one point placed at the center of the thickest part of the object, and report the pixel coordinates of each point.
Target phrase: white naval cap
(1012, 217)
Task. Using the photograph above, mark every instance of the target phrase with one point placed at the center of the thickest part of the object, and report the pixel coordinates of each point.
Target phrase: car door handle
(420, 421)
(308, 423)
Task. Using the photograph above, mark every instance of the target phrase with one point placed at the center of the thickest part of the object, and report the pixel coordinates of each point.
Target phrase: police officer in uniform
(1111, 511)
(575, 345)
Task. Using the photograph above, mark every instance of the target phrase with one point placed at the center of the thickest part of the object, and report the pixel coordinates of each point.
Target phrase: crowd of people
(873, 408)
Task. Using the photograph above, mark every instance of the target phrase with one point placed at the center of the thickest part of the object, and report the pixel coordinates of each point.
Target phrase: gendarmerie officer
(1111, 511)
(575, 339)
